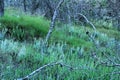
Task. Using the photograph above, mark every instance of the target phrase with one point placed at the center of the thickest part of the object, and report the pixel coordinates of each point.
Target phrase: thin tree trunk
(52, 25)
(24, 4)
(1, 8)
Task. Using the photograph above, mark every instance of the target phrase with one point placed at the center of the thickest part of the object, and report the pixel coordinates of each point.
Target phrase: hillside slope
(82, 56)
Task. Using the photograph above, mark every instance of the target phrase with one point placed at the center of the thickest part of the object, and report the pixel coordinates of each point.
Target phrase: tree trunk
(24, 4)
(1, 8)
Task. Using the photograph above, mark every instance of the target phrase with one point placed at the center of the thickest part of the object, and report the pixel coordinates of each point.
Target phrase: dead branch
(113, 63)
(38, 70)
(105, 63)
(45, 66)
(107, 74)
(62, 65)
(52, 25)
(68, 66)
(87, 21)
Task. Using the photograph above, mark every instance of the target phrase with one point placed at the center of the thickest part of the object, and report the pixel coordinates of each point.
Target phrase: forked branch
(52, 25)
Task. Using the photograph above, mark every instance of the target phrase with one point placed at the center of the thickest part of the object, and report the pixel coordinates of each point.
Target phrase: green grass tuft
(24, 26)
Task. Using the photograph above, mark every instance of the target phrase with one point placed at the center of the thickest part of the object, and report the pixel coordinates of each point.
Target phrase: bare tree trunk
(1, 8)
(52, 25)
(69, 14)
(24, 5)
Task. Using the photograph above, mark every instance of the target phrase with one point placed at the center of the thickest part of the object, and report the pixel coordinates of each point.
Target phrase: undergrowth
(69, 44)
(23, 27)
(18, 60)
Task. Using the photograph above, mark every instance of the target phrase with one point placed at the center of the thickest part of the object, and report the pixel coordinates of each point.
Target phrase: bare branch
(113, 63)
(87, 20)
(108, 74)
(38, 70)
(53, 21)
(63, 65)
(45, 66)
(108, 65)
(52, 25)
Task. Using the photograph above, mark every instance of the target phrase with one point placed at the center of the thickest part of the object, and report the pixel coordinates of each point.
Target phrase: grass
(68, 44)
(27, 27)
(24, 26)
(32, 59)
(111, 33)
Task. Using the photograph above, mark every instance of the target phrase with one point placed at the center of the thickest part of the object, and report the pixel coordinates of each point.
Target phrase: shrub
(23, 27)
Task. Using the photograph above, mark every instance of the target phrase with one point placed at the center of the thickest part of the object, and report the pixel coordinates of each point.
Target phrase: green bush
(23, 27)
